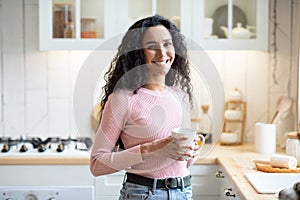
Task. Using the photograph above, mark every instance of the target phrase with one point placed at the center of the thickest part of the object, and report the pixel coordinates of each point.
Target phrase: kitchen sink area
(53, 58)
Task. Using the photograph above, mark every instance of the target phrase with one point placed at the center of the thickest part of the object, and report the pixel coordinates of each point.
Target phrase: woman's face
(158, 49)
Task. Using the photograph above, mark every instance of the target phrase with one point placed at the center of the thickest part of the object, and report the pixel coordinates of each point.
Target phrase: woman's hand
(194, 149)
(170, 147)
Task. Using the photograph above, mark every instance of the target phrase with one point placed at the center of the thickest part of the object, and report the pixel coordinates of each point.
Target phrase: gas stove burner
(60, 148)
(41, 148)
(5, 148)
(52, 144)
(23, 148)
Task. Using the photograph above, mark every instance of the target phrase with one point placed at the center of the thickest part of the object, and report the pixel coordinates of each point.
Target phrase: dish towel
(283, 161)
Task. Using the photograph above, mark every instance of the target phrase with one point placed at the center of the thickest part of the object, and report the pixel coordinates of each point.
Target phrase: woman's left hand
(193, 150)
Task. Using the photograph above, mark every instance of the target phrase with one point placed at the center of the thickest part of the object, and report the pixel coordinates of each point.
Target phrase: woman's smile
(161, 62)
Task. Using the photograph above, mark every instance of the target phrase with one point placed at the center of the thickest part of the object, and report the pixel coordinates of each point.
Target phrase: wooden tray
(268, 168)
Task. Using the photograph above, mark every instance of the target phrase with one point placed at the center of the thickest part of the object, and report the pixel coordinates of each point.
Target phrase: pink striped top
(139, 118)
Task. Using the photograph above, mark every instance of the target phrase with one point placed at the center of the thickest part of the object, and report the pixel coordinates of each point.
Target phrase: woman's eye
(167, 44)
(151, 47)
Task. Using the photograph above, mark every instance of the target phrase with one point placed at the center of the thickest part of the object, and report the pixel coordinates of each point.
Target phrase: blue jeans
(139, 192)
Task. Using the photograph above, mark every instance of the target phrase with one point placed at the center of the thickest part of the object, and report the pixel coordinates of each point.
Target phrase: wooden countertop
(45, 160)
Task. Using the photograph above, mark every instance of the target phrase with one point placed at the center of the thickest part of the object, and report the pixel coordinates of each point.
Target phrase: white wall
(36, 86)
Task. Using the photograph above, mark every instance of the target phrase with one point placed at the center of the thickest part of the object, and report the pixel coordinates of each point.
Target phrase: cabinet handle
(219, 174)
(228, 192)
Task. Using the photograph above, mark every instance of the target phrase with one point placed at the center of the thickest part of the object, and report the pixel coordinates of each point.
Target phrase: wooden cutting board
(271, 183)
(268, 168)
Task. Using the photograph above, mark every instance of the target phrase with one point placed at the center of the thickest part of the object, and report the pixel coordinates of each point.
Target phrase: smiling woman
(147, 94)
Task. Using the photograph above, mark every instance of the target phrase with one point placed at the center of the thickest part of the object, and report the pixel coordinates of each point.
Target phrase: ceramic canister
(235, 95)
(293, 145)
(233, 115)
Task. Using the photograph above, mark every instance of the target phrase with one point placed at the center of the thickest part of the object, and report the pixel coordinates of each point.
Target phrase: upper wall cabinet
(213, 24)
(76, 24)
(231, 24)
(85, 24)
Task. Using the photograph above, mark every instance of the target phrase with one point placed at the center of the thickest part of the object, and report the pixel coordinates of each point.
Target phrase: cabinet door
(76, 24)
(170, 9)
(226, 190)
(205, 185)
(231, 24)
(109, 186)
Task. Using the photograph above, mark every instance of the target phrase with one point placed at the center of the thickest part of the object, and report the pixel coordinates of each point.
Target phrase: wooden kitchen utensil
(283, 104)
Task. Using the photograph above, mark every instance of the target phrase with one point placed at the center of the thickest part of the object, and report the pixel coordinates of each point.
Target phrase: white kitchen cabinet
(209, 16)
(205, 185)
(108, 187)
(37, 181)
(108, 18)
(226, 190)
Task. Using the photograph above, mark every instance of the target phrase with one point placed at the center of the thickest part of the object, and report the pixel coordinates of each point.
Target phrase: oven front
(46, 182)
(46, 193)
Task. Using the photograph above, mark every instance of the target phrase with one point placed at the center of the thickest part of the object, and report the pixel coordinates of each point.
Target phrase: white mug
(184, 132)
(190, 134)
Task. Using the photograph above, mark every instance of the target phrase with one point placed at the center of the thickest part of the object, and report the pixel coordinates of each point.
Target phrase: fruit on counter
(288, 194)
(296, 187)
(292, 193)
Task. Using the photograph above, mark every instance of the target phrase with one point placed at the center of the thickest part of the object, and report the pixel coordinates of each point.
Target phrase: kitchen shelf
(233, 121)
(238, 124)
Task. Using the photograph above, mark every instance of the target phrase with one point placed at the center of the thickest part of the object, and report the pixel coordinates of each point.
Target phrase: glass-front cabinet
(213, 24)
(73, 24)
(231, 24)
(170, 9)
(65, 22)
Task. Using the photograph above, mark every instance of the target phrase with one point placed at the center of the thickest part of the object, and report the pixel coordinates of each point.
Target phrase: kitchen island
(235, 161)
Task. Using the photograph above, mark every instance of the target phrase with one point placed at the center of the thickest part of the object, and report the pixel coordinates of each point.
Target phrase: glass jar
(293, 145)
(69, 31)
(61, 16)
(88, 29)
(205, 124)
(205, 120)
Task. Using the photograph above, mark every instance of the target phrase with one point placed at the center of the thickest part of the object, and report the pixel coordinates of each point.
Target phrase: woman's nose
(161, 50)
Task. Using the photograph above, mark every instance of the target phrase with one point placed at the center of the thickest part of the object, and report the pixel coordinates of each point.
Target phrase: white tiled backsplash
(37, 87)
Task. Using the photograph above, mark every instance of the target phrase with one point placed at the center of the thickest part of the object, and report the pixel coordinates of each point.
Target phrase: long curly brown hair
(130, 55)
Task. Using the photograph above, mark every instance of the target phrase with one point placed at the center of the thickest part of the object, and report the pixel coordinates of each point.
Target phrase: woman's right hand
(166, 147)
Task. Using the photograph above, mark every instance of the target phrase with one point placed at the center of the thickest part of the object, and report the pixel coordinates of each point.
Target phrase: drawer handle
(228, 192)
(219, 174)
